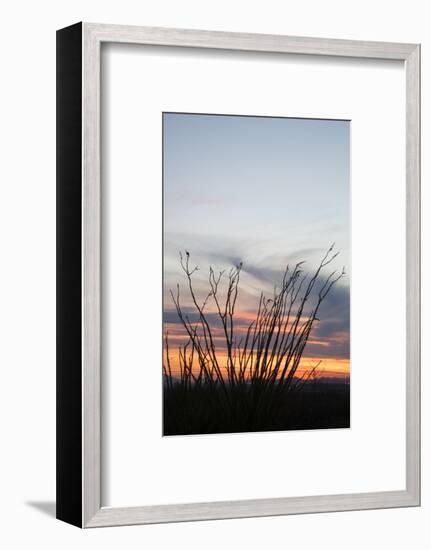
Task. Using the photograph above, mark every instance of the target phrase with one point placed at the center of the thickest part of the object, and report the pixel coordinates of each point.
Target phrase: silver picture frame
(79, 273)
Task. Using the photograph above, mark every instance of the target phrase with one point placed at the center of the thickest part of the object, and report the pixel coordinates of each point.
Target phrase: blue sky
(264, 191)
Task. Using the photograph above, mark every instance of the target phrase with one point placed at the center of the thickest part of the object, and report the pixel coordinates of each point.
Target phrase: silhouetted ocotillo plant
(262, 364)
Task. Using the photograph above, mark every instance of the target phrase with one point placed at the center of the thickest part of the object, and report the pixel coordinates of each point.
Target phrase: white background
(139, 466)
(27, 286)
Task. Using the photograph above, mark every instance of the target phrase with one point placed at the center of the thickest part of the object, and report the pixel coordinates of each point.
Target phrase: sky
(266, 192)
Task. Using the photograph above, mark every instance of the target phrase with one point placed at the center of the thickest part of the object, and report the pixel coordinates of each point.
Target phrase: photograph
(256, 273)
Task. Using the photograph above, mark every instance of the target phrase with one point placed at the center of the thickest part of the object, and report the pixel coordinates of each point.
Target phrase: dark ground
(204, 410)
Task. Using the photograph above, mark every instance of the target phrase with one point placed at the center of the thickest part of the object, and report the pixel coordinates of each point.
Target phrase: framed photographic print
(237, 274)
